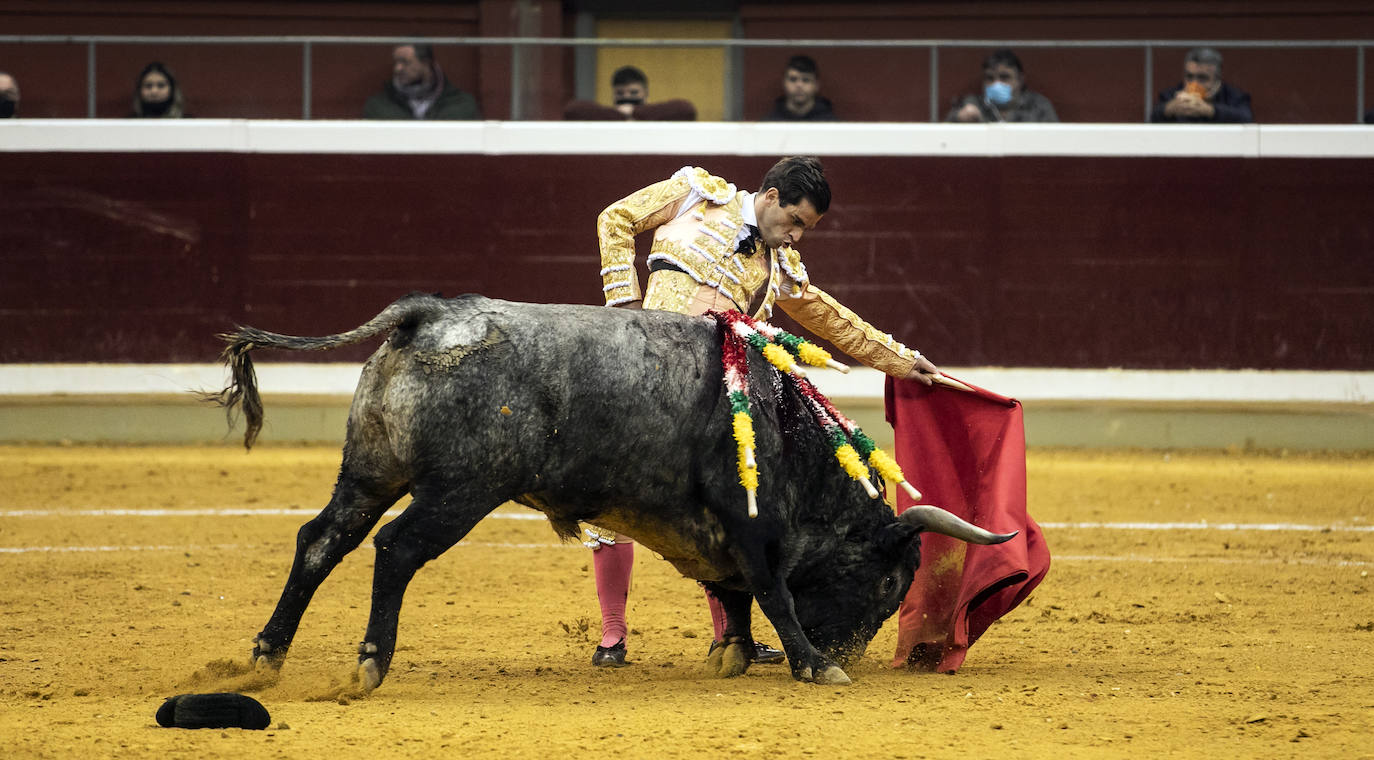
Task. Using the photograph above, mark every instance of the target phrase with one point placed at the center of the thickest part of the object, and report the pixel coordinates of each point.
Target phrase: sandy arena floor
(1191, 642)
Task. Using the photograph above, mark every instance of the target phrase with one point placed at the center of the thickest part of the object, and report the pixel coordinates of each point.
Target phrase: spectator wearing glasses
(1004, 96)
(1202, 97)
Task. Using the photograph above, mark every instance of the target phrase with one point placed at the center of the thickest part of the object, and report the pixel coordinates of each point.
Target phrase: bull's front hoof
(833, 676)
(369, 675)
(727, 660)
(822, 671)
(265, 657)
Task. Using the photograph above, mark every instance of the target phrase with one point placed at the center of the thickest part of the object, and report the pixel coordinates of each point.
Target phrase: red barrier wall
(1059, 262)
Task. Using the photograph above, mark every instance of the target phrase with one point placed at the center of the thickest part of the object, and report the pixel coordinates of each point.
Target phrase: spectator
(9, 96)
(419, 90)
(799, 101)
(1005, 97)
(1202, 96)
(630, 88)
(156, 94)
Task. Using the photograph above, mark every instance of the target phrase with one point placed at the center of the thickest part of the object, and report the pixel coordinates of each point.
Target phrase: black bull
(592, 414)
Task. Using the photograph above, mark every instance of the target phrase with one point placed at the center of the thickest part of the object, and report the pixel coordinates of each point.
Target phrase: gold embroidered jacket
(701, 244)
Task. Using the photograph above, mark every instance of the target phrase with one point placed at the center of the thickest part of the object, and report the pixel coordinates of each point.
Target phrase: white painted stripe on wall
(1026, 384)
(684, 138)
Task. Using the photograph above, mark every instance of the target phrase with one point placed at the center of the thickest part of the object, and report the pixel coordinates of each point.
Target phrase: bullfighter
(716, 247)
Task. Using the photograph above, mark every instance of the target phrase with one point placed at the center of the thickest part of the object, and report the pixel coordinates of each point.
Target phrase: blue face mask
(998, 93)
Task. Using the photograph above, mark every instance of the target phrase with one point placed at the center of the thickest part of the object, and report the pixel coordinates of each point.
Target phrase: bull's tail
(242, 390)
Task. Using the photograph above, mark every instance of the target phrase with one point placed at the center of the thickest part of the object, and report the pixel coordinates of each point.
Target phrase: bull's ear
(894, 538)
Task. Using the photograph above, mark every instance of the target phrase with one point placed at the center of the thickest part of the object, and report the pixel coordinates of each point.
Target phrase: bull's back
(583, 399)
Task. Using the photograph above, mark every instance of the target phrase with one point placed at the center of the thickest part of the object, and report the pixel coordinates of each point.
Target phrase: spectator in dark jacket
(800, 101)
(1202, 97)
(9, 96)
(630, 89)
(1004, 96)
(419, 90)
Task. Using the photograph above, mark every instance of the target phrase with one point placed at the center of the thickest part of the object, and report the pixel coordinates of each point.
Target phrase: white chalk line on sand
(1204, 525)
(218, 512)
(298, 512)
(1140, 558)
(232, 548)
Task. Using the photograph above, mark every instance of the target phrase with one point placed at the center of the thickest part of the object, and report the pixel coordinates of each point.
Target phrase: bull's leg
(732, 657)
(775, 599)
(428, 527)
(356, 506)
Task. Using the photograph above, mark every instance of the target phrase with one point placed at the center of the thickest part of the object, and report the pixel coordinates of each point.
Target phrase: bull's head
(867, 577)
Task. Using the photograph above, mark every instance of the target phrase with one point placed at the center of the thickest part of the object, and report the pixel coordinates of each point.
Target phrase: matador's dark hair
(798, 177)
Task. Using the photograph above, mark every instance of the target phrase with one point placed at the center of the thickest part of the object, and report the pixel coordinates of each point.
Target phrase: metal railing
(519, 45)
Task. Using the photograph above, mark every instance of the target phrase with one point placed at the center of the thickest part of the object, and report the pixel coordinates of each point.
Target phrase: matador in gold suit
(717, 247)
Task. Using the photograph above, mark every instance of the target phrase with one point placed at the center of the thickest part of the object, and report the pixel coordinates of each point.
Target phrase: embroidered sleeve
(617, 226)
(818, 312)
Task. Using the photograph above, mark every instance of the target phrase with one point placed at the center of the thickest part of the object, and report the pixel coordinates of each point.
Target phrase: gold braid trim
(818, 312)
(617, 226)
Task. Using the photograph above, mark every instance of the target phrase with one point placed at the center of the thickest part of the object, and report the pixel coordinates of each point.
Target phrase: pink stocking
(613, 564)
(717, 615)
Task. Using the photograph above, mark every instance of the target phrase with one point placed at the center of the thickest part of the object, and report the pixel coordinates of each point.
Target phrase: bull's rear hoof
(727, 660)
(224, 710)
(369, 675)
(833, 676)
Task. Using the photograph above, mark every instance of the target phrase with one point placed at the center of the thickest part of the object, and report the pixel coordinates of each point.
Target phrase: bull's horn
(936, 520)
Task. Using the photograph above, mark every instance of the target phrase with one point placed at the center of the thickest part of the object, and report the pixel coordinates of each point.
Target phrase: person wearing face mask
(630, 90)
(1202, 97)
(716, 247)
(1004, 96)
(9, 96)
(156, 94)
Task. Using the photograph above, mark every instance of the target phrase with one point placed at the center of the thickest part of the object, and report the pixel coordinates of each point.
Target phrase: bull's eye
(888, 585)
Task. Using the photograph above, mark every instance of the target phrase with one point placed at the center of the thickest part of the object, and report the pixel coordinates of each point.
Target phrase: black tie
(746, 246)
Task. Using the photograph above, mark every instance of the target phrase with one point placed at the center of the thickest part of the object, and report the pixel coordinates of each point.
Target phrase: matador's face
(784, 225)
